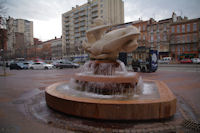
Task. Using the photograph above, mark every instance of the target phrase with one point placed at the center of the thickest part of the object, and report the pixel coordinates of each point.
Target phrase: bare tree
(3, 36)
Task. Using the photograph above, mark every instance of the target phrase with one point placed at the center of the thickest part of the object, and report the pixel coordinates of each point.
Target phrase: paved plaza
(22, 90)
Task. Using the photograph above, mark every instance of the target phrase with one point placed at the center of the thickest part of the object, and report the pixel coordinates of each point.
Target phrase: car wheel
(46, 68)
(31, 68)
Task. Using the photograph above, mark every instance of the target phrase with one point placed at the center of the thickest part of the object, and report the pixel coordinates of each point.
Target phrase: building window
(177, 39)
(151, 38)
(194, 47)
(165, 37)
(183, 48)
(172, 29)
(101, 11)
(157, 28)
(178, 49)
(165, 27)
(188, 47)
(158, 38)
(101, 5)
(151, 28)
(143, 37)
(194, 37)
(178, 29)
(183, 38)
(188, 38)
(143, 27)
(194, 26)
(188, 27)
(183, 28)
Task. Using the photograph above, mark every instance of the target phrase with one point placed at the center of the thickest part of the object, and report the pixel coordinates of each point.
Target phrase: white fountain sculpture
(107, 45)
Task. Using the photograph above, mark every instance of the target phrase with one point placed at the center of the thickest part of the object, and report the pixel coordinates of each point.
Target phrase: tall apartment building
(77, 21)
(19, 26)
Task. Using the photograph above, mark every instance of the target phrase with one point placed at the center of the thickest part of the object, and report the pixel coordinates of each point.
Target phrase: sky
(46, 14)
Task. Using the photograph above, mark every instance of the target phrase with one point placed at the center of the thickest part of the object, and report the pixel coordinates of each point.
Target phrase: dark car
(66, 64)
(16, 65)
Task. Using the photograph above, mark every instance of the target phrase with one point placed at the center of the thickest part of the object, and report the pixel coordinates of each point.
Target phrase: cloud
(160, 9)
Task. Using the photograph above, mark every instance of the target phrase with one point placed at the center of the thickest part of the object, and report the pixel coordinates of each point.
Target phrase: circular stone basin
(156, 102)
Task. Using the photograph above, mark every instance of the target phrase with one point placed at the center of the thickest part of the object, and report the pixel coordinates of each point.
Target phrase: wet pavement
(23, 108)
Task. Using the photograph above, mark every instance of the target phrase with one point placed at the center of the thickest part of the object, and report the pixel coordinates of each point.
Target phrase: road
(180, 67)
(184, 82)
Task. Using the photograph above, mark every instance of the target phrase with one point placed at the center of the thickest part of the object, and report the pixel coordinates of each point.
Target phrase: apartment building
(77, 21)
(185, 39)
(19, 26)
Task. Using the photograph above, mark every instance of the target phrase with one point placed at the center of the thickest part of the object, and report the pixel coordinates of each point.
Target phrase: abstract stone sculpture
(102, 45)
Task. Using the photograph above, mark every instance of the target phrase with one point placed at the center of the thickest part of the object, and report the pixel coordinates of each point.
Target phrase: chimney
(55, 37)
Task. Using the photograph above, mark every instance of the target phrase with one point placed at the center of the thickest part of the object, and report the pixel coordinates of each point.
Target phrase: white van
(166, 60)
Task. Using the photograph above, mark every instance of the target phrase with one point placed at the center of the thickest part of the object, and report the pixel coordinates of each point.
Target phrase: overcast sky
(46, 14)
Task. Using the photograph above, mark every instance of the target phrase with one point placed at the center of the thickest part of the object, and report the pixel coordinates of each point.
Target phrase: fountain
(104, 89)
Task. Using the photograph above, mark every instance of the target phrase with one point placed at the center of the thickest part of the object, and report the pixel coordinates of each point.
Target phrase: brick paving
(19, 114)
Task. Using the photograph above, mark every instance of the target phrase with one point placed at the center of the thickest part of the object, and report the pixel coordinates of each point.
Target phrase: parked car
(165, 60)
(16, 65)
(40, 65)
(195, 60)
(9, 62)
(66, 64)
(184, 61)
(27, 64)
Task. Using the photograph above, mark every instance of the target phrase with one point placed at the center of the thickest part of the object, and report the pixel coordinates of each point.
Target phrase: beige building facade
(19, 26)
(77, 21)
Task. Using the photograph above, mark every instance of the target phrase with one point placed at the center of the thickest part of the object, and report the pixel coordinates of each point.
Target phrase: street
(183, 80)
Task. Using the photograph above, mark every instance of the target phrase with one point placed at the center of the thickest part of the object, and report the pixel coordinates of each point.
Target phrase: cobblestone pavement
(23, 108)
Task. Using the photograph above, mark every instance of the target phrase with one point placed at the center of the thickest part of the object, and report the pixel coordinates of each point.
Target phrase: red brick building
(185, 39)
(143, 38)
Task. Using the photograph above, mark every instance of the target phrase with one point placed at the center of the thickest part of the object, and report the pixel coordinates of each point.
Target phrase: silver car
(40, 65)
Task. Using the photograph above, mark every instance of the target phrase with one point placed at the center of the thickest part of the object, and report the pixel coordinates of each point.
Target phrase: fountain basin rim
(163, 107)
(165, 95)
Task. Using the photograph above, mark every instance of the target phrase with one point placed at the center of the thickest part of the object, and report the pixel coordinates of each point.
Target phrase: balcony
(76, 25)
(94, 10)
(82, 29)
(82, 19)
(94, 4)
(76, 21)
(76, 16)
(77, 35)
(66, 21)
(76, 30)
(83, 14)
(94, 15)
(67, 33)
(67, 28)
